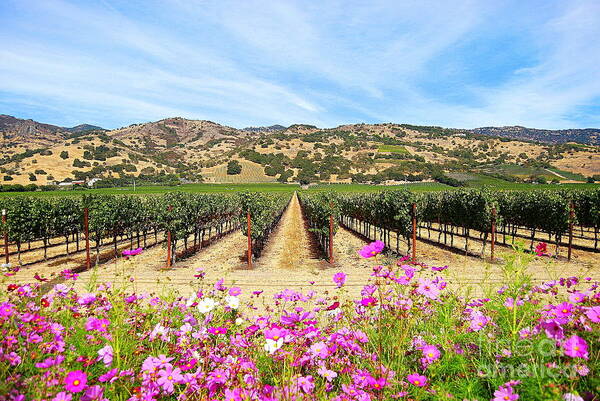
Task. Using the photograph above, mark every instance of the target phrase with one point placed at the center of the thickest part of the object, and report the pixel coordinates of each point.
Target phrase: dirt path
(290, 245)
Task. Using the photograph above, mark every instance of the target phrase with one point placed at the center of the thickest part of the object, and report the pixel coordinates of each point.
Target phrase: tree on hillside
(234, 168)
(64, 155)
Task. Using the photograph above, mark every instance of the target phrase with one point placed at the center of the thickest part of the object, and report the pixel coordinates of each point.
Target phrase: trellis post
(86, 231)
(169, 246)
(493, 233)
(571, 219)
(4, 225)
(249, 232)
(331, 233)
(414, 232)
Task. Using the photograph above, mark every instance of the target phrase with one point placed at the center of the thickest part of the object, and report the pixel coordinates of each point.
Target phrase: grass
(472, 181)
(392, 149)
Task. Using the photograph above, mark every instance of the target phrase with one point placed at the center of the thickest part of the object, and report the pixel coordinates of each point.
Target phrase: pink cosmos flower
(339, 278)
(319, 349)
(428, 288)
(371, 250)
(593, 314)
(105, 355)
(75, 381)
(62, 396)
(563, 310)
(505, 393)
(275, 333)
(576, 347)
(417, 380)
(93, 393)
(168, 377)
(329, 375)
(553, 329)
(577, 297)
(368, 301)
(233, 395)
(235, 291)
(541, 249)
(217, 330)
(306, 383)
(430, 353)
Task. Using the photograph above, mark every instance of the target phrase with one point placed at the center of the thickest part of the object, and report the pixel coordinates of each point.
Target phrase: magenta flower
(93, 393)
(541, 249)
(105, 355)
(62, 396)
(417, 380)
(368, 301)
(75, 381)
(428, 288)
(235, 291)
(505, 393)
(577, 297)
(593, 314)
(217, 330)
(430, 353)
(576, 347)
(168, 377)
(371, 250)
(563, 310)
(306, 383)
(319, 349)
(339, 278)
(233, 395)
(275, 333)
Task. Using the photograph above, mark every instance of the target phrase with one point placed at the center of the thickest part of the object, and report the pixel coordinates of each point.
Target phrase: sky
(459, 63)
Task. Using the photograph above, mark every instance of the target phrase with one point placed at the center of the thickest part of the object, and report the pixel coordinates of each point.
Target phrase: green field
(392, 149)
(471, 180)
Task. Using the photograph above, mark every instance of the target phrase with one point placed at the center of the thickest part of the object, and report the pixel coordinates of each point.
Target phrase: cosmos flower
(576, 347)
(339, 279)
(105, 355)
(417, 380)
(206, 305)
(371, 250)
(232, 301)
(75, 381)
(428, 288)
(235, 291)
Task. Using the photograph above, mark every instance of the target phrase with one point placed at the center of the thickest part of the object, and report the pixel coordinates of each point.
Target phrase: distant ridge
(83, 128)
(590, 136)
(271, 128)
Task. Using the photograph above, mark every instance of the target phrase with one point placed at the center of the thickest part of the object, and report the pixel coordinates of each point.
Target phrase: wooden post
(493, 232)
(414, 232)
(4, 225)
(249, 231)
(169, 250)
(86, 231)
(331, 234)
(571, 219)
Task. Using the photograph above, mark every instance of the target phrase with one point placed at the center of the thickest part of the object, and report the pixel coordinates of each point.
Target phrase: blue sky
(461, 63)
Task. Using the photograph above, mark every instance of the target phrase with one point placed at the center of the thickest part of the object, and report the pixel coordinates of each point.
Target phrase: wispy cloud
(466, 63)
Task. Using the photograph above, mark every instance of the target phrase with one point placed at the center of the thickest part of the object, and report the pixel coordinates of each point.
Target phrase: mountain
(271, 128)
(177, 149)
(83, 128)
(590, 136)
(15, 131)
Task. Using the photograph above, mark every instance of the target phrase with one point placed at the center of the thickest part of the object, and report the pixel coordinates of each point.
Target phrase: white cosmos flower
(191, 300)
(239, 321)
(206, 305)
(232, 302)
(271, 346)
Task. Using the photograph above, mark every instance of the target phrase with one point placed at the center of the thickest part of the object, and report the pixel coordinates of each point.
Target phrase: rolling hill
(177, 149)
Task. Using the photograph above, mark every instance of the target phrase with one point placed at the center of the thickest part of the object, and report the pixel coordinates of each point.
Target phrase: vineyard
(160, 301)
(182, 221)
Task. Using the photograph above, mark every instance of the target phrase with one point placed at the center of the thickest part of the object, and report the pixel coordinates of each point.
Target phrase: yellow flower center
(170, 377)
(76, 382)
(417, 382)
(275, 337)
